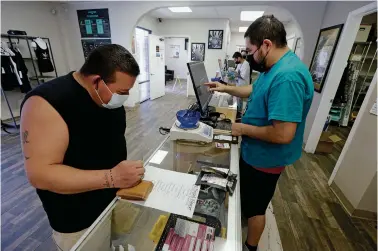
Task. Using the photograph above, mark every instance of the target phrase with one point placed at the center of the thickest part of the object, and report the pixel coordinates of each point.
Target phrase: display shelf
(42, 77)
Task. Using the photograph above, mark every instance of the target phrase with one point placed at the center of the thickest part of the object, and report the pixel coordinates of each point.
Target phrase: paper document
(173, 192)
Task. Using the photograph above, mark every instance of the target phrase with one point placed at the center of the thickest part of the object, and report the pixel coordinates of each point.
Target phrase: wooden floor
(308, 215)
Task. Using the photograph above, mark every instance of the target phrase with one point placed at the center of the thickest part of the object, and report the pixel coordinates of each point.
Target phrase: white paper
(373, 110)
(173, 192)
(158, 157)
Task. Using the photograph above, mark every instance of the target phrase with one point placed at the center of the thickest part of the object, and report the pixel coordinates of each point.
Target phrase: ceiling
(229, 12)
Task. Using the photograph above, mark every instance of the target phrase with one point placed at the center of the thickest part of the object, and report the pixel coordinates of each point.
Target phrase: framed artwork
(215, 40)
(322, 58)
(198, 52)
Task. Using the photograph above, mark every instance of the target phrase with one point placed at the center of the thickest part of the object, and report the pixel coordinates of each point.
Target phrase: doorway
(142, 50)
(176, 59)
(354, 84)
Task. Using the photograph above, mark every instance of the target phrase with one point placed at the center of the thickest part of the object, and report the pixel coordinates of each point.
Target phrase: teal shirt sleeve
(285, 101)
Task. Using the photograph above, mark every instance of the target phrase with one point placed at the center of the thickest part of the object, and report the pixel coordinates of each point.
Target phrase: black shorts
(256, 189)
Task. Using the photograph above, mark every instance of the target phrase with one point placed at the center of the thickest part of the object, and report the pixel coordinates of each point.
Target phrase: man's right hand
(127, 173)
(216, 86)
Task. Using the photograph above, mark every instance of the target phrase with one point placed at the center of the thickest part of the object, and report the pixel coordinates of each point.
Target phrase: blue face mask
(116, 101)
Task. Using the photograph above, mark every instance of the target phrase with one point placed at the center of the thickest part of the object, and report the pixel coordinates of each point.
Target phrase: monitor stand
(205, 115)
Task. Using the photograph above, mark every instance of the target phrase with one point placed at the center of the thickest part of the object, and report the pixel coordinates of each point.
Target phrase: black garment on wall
(21, 67)
(8, 78)
(43, 59)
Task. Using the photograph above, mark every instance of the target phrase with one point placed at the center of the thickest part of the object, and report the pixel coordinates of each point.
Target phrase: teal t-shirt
(283, 93)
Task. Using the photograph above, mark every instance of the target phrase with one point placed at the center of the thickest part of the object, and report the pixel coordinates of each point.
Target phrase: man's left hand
(237, 129)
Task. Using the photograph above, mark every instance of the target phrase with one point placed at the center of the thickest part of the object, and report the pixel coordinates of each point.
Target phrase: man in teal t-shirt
(274, 120)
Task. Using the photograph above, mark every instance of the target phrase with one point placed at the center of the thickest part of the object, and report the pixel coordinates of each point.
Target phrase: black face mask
(260, 67)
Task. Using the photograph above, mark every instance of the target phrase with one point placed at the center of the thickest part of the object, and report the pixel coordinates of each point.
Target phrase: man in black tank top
(73, 140)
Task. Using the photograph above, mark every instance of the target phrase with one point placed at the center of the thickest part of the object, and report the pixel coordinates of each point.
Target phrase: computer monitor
(231, 63)
(198, 75)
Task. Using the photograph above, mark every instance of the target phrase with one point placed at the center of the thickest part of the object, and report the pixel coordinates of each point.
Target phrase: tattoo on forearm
(26, 158)
(106, 184)
(111, 177)
(25, 135)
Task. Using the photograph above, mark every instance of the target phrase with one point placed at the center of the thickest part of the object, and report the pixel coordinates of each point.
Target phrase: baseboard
(364, 214)
(349, 208)
(344, 201)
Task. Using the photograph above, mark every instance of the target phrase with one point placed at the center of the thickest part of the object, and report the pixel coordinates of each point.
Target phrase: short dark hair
(105, 60)
(267, 27)
(237, 55)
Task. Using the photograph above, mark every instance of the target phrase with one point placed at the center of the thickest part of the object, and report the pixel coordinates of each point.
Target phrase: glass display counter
(123, 223)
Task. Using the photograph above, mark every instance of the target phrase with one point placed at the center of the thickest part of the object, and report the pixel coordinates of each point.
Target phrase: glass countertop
(126, 223)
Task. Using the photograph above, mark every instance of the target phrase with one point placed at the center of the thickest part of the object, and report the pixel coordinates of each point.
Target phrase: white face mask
(116, 101)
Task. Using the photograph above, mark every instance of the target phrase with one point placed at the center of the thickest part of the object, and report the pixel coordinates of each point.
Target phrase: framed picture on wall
(215, 40)
(322, 58)
(198, 52)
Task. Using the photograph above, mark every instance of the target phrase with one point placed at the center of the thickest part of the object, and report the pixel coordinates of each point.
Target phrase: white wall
(37, 20)
(197, 31)
(149, 23)
(178, 65)
(369, 199)
(357, 164)
(237, 39)
(125, 15)
(336, 13)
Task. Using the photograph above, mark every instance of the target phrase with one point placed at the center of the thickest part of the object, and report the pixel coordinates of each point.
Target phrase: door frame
(337, 67)
(189, 51)
(148, 58)
(163, 42)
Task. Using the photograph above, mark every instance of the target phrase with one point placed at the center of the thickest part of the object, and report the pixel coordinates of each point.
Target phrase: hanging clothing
(14, 71)
(22, 71)
(8, 76)
(43, 59)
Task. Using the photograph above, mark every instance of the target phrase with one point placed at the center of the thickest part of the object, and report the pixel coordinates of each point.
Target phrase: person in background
(248, 58)
(244, 53)
(73, 141)
(243, 75)
(272, 126)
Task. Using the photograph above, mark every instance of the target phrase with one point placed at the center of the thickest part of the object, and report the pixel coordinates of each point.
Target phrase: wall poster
(324, 50)
(215, 40)
(175, 51)
(198, 52)
(94, 23)
(90, 44)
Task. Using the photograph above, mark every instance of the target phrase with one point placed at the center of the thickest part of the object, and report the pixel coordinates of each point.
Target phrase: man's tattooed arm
(25, 140)
(106, 179)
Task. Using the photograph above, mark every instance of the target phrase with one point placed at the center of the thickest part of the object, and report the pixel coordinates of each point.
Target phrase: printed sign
(94, 23)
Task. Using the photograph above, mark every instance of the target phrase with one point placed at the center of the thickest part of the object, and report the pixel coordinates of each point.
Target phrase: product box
(182, 234)
(326, 142)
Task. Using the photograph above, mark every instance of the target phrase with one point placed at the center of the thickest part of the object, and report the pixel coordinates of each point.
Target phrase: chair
(169, 74)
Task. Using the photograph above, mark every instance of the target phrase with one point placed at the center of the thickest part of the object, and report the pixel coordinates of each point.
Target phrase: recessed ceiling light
(250, 15)
(180, 9)
(243, 29)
